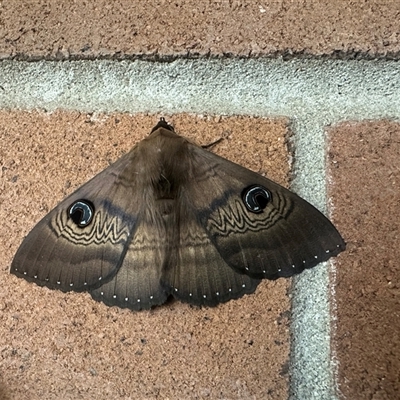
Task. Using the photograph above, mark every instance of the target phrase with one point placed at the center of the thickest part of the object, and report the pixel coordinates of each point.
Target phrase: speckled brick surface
(365, 166)
(57, 345)
(37, 29)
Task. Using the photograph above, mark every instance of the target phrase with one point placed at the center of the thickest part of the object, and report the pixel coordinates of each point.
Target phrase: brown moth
(171, 218)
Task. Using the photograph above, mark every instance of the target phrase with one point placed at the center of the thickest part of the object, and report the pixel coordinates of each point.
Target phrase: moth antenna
(207, 146)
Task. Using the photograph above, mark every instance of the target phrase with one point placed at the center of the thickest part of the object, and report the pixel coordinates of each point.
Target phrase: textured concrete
(313, 93)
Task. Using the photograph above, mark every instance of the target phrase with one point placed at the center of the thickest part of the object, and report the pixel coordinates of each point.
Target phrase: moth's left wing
(136, 284)
(116, 255)
(60, 252)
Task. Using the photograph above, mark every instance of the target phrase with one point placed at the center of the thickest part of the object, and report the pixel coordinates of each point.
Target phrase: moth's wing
(59, 254)
(286, 237)
(196, 272)
(137, 284)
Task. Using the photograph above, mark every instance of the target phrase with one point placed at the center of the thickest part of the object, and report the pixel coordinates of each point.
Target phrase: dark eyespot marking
(81, 212)
(256, 198)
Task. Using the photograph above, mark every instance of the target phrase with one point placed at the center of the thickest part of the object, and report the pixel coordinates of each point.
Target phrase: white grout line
(311, 372)
(313, 93)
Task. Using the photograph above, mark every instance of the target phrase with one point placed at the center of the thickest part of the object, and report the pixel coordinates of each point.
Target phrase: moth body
(172, 219)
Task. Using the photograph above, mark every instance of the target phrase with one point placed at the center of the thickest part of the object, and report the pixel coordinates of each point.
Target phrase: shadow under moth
(171, 218)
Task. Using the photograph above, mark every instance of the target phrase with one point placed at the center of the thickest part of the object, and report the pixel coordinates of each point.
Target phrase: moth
(170, 218)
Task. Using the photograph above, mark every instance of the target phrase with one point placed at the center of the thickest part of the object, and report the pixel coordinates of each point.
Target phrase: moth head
(81, 212)
(162, 124)
(256, 198)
